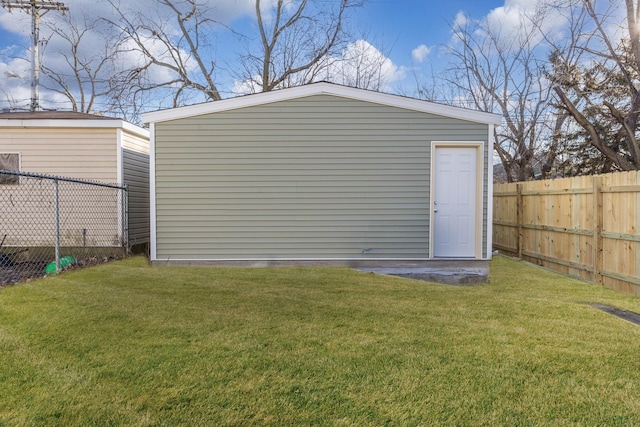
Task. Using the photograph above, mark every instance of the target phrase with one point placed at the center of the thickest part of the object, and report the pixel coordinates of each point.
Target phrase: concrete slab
(629, 316)
(450, 276)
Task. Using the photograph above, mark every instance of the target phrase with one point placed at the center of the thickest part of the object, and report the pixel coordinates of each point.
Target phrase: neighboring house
(320, 174)
(82, 146)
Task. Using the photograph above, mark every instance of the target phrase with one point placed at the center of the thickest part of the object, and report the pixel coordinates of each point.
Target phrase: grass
(127, 344)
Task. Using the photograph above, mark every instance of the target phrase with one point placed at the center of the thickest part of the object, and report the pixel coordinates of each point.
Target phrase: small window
(9, 162)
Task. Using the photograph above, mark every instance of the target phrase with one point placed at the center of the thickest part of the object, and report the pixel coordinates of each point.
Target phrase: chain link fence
(50, 223)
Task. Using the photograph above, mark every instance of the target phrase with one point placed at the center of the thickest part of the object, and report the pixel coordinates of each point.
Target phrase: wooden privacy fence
(588, 226)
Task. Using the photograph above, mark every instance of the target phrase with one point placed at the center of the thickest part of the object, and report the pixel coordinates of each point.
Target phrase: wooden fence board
(588, 227)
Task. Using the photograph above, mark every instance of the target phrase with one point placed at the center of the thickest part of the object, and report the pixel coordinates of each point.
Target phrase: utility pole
(37, 8)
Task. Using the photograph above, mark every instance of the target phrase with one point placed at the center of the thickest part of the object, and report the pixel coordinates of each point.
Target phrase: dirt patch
(21, 272)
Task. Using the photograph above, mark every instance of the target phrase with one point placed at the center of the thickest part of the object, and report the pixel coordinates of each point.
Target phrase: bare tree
(10, 100)
(84, 69)
(562, 62)
(362, 65)
(297, 41)
(174, 51)
(603, 94)
(503, 74)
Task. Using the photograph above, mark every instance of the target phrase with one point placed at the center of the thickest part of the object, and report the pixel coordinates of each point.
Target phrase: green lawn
(127, 344)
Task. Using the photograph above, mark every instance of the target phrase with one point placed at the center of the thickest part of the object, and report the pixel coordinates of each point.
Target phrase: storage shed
(82, 146)
(321, 174)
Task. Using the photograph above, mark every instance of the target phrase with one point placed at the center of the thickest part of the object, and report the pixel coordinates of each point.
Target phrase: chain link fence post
(124, 195)
(56, 203)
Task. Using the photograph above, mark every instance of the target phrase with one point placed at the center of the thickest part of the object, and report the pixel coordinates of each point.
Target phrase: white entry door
(454, 202)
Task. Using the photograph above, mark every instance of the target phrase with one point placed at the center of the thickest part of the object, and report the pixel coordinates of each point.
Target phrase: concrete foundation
(449, 271)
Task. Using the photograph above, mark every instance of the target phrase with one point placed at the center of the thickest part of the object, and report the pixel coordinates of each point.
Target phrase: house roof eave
(321, 88)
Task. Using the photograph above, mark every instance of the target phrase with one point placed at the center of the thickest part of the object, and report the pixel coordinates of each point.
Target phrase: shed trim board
(489, 247)
(77, 124)
(152, 193)
(217, 138)
(120, 175)
(119, 158)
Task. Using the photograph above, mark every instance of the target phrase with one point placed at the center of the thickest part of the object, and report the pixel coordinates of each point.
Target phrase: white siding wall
(86, 153)
(78, 153)
(320, 177)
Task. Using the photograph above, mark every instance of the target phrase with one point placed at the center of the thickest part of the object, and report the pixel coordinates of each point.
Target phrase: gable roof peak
(321, 88)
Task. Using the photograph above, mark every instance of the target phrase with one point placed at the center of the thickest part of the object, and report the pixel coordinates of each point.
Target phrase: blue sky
(404, 25)
(407, 24)
(395, 27)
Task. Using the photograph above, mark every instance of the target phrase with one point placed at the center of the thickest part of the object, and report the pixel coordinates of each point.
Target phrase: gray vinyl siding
(135, 170)
(321, 177)
(136, 177)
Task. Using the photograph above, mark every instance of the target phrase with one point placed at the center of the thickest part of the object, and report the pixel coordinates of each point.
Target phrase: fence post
(125, 217)
(57, 208)
(519, 219)
(598, 218)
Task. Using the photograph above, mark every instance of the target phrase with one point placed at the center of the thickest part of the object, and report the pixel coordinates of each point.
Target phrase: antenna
(37, 8)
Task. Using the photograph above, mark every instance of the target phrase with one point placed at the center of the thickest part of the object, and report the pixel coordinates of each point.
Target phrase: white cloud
(15, 89)
(516, 18)
(460, 21)
(16, 22)
(421, 52)
(268, 8)
(515, 24)
(363, 65)
(510, 15)
(360, 64)
(246, 87)
(132, 58)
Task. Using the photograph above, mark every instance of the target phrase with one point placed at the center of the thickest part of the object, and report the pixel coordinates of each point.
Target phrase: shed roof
(66, 119)
(322, 88)
(51, 115)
